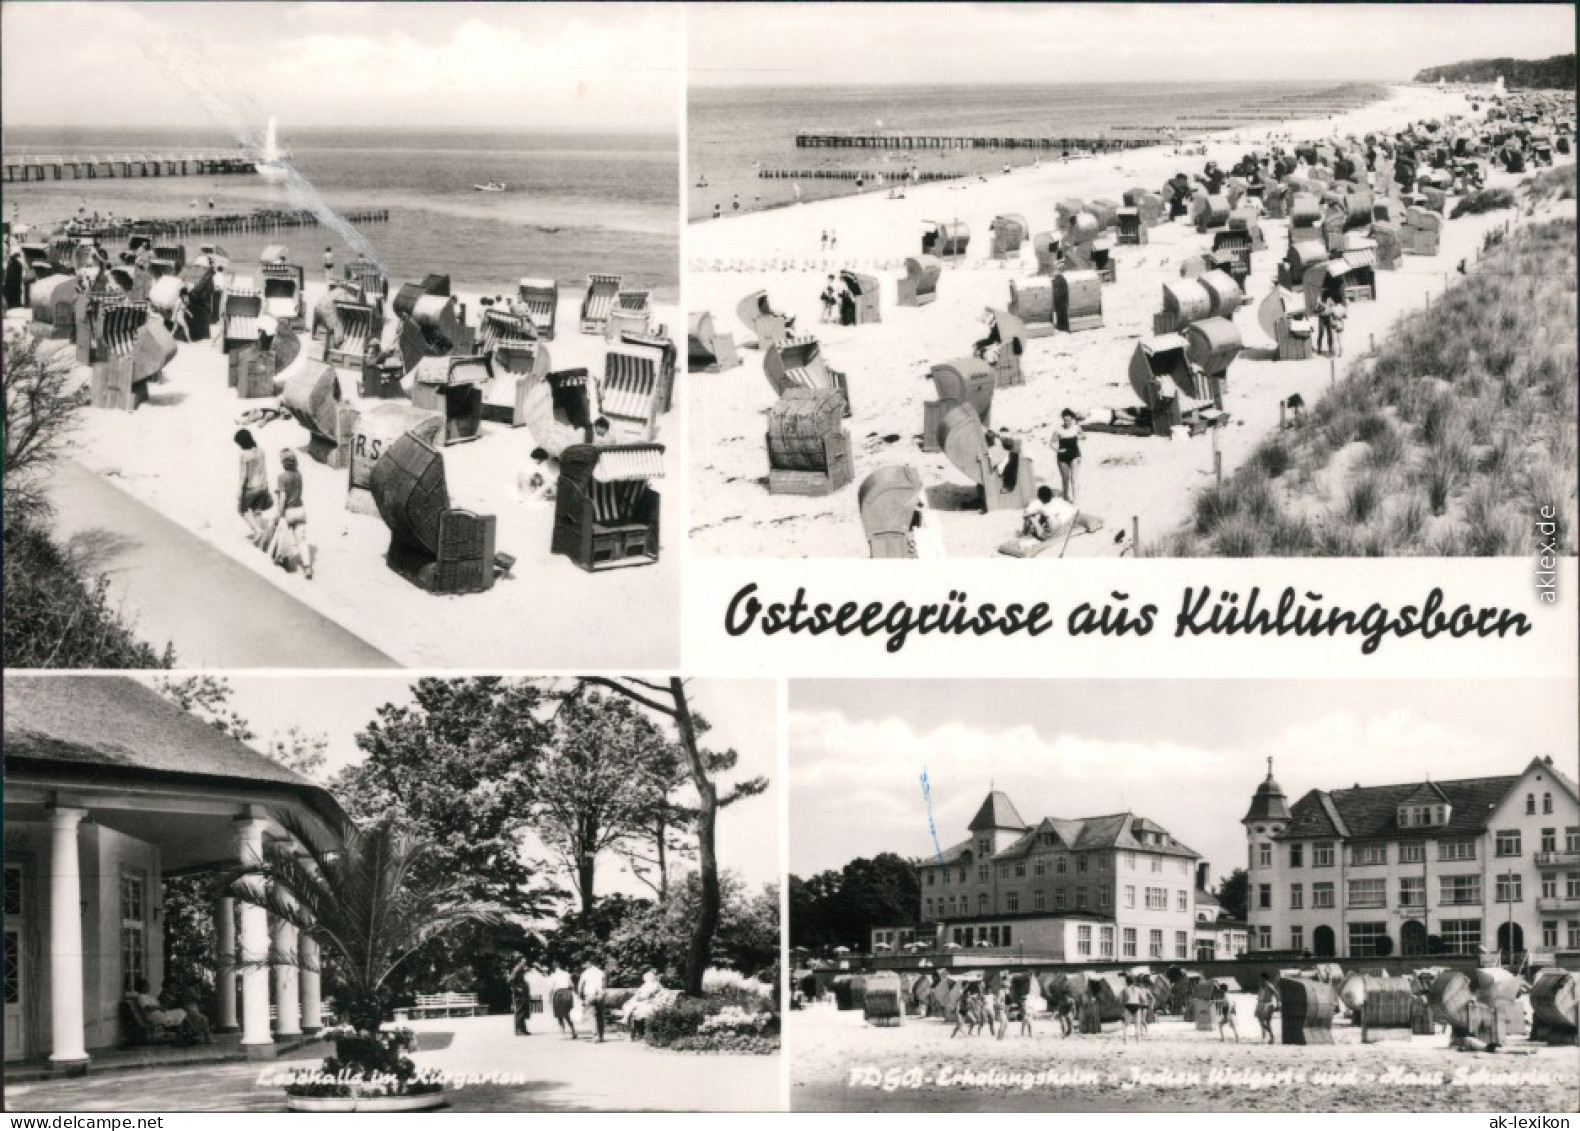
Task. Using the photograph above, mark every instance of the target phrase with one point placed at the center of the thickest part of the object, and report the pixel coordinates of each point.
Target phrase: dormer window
(1422, 816)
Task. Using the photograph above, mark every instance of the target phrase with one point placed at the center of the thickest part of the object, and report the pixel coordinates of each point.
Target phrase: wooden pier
(22, 168)
(897, 140)
(890, 177)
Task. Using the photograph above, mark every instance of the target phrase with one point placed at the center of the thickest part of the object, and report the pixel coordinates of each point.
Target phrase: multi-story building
(1449, 867)
(1114, 887)
(1217, 935)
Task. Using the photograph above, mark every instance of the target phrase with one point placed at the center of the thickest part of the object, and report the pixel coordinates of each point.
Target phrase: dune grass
(1448, 441)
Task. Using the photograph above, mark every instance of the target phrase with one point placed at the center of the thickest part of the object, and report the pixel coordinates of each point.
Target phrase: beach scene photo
(1239, 281)
(1117, 896)
(300, 238)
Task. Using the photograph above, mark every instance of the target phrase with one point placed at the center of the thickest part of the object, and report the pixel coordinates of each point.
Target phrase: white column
(287, 994)
(254, 944)
(225, 963)
(67, 1045)
(312, 1002)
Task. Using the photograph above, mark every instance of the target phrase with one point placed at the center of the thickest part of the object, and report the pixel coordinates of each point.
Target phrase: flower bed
(370, 1070)
(726, 1022)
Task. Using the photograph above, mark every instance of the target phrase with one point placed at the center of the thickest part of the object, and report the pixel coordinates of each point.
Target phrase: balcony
(1570, 903)
(1558, 859)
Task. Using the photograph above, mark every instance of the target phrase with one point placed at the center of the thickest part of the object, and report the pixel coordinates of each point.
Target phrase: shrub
(1486, 200)
(1237, 538)
(1273, 458)
(1386, 448)
(1363, 498)
(735, 1019)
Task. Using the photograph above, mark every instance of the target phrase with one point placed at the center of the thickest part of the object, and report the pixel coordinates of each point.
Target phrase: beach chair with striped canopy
(283, 288)
(1130, 229)
(197, 279)
(1161, 376)
(541, 297)
(708, 350)
(919, 285)
(453, 387)
(243, 308)
(767, 325)
(499, 324)
(355, 325)
(632, 313)
(136, 348)
(965, 380)
(602, 291)
(887, 502)
(520, 364)
(658, 344)
(401, 348)
(372, 282)
(963, 438)
(437, 547)
(606, 512)
(630, 391)
(798, 363)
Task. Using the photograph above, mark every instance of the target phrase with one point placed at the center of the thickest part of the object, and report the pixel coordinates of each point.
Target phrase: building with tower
(1449, 867)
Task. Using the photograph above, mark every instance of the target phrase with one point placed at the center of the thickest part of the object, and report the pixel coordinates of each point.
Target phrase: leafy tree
(1234, 895)
(842, 908)
(41, 413)
(207, 697)
(659, 936)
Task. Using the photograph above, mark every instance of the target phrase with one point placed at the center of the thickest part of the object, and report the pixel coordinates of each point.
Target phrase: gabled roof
(997, 812)
(1425, 794)
(1088, 834)
(115, 728)
(1372, 812)
(952, 854)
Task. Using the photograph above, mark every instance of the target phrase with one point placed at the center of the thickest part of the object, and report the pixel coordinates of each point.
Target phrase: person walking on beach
(563, 995)
(829, 298)
(252, 495)
(182, 323)
(833, 239)
(1266, 1006)
(290, 537)
(735, 203)
(1223, 1012)
(824, 245)
(1069, 437)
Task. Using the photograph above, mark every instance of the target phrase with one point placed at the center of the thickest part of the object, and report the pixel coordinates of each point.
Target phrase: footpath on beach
(178, 588)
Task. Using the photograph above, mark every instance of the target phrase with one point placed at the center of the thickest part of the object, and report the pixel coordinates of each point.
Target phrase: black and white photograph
(368, 893)
(339, 335)
(1221, 896)
(1117, 280)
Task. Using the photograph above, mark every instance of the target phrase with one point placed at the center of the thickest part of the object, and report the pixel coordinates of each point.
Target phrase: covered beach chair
(313, 398)
(808, 447)
(1009, 232)
(355, 324)
(410, 294)
(1048, 247)
(1003, 348)
(1390, 245)
(1077, 301)
(1129, 227)
(376, 430)
(1306, 1011)
(499, 324)
(919, 285)
(1211, 211)
(1299, 259)
(599, 301)
(135, 350)
(1282, 316)
(1106, 211)
(1184, 301)
(1305, 218)
(887, 500)
(865, 290)
(964, 440)
(1031, 300)
(169, 257)
(658, 346)
(443, 324)
(1212, 346)
(202, 299)
(401, 347)
(1224, 291)
(519, 365)
(606, 512)
(558, 410)
(798, 363)
(453, 388)
(1421, 232)
(632, 390)
(767, 325)
(541, 297)
(632, 313)
(708, 350)
(243, 308)
(53, 301)
(1162, 378)
(945, 239)
(283, 290)
(965, 380)
(437, 547)
(373, 284)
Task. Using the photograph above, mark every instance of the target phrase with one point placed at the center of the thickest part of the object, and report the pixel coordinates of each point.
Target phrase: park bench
(441, 1005)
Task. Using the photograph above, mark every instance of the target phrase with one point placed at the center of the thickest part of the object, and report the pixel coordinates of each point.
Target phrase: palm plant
(354, 891)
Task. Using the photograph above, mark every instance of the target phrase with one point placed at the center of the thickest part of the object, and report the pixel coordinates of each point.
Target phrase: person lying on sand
(1050, 521)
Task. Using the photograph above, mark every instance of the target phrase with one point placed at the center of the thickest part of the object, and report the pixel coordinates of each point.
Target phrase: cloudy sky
(1188, 754)
(743, 714)
(1032, 43)
(531, 67)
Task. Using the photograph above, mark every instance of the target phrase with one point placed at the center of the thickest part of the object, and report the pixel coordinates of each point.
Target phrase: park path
(178, 588)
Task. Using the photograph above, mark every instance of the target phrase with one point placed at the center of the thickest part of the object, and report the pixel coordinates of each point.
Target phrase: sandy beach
(840, 1063)
(1147, 480)
(176, 454)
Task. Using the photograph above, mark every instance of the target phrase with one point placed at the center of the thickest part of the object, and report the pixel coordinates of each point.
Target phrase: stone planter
(424, 1102)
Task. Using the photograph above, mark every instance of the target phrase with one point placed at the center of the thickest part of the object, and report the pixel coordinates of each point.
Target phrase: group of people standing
(277, 520)
(571, 998)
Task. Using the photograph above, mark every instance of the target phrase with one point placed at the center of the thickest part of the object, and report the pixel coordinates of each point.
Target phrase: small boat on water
(490, 186)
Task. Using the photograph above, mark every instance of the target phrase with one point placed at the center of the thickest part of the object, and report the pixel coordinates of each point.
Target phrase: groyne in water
(19, 169)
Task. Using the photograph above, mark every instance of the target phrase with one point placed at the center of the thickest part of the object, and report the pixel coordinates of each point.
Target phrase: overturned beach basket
(766, 324)
(1031, 300)
(520, 365)
(808, 448)
(883, 1000)
(1008, 333)
(499, 325)
(945, 239)
(1555, 1007)
(436, 547)
(602, 291)
(1130, 228)
(1306, 1011)
(1387, 1008)
(1009, 232)
(243, 309)
(1184, 301)
(966, 380)
(887, 501)
(313, 398)
(1212, 211)
(1282, 317)
(919, 285)
(1077, 301)
(1305, 217)
(410, 294)
(541, 297)
(53, 302)
(1298, 260)
(797, 363)
(1048, 247)
(707, 349)
(634, 390)
(964, 440)
(377, 429)
(453, 388)
(283, 290)
(1159, 373)
(606, 512)
(1212, 345)
(864, 289)
(356, 324)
